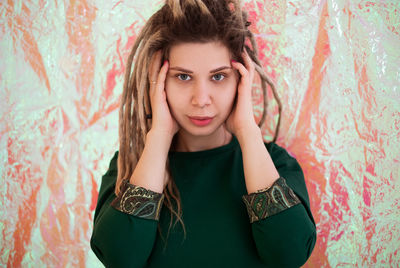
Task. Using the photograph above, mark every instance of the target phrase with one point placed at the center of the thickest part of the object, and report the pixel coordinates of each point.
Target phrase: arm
(125, 237)
(282, 224)
(150, 169)
(284, 233)
(125, 225)
(259, 170)
(119, 239)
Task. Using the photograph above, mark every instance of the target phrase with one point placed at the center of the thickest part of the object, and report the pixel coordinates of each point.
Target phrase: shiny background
(336, 67)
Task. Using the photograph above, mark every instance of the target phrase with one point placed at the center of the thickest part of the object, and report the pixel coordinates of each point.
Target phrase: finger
(160, 85)
(154, 67)
(241, 68)
(157, 96)
(248, 62)
(245, 83)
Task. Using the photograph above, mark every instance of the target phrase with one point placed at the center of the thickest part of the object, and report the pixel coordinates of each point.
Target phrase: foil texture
(336, 68)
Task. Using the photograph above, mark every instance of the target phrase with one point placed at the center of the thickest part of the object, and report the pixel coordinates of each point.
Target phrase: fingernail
(233, 61)
(165, 62)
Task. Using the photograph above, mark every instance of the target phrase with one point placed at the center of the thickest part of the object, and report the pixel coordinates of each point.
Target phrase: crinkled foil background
(335, 63)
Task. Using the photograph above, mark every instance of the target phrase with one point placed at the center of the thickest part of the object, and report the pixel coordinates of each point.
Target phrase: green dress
(218, 230)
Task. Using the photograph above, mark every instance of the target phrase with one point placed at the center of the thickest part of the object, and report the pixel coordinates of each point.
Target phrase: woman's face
(200, 86)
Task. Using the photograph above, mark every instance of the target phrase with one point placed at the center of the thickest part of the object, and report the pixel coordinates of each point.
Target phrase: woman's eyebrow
(190, 72)
(181, 69)
(220, 69)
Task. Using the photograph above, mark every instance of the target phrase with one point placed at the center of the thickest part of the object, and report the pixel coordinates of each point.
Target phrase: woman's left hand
(241, 119)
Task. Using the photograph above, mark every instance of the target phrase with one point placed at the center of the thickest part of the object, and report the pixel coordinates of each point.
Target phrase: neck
(185, 142)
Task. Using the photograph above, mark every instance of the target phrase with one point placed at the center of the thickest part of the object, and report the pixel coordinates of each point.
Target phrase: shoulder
(282, 159)
(107, 186)
(289, 168)
(272, 147)
(109, 178)
(279, 154)
(113, 166)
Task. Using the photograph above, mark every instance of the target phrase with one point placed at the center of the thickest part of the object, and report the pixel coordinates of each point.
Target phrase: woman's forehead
(194, 56)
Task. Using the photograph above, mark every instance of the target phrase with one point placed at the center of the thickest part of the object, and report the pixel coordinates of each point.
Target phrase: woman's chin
(199, 131)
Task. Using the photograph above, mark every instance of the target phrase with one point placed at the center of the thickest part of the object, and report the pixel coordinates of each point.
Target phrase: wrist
(149, 172)
(248, 134)
(162, 139)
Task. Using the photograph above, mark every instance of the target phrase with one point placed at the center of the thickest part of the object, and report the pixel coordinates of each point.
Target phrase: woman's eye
(184, 77)
(218, 77)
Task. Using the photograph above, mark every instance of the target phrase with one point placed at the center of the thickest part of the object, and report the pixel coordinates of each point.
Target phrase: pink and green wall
(336, 66)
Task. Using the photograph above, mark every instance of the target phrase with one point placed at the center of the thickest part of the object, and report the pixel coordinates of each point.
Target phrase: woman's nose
(201, 95)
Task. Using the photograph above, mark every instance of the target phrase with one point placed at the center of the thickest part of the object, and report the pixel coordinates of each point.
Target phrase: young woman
(192, 153)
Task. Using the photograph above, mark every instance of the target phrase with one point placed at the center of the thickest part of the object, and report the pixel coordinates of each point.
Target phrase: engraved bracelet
(138, 201)
(270, 201)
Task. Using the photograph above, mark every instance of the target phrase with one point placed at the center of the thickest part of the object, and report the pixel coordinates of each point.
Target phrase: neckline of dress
(205, 153)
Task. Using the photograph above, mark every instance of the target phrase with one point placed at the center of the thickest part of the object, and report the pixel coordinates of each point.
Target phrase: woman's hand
(241, 119)
(150, 170)
(162, 120)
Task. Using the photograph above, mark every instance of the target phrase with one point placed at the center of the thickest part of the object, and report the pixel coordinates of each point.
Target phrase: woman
(191, 152)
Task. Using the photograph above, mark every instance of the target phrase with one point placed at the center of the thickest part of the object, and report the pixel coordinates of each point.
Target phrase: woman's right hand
(162, 120)
(150, 170)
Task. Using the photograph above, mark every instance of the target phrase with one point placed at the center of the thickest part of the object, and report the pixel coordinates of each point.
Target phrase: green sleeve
(287, 239)
(119, 239)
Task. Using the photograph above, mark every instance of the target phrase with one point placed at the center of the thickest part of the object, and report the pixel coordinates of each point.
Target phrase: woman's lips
(201, 120)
